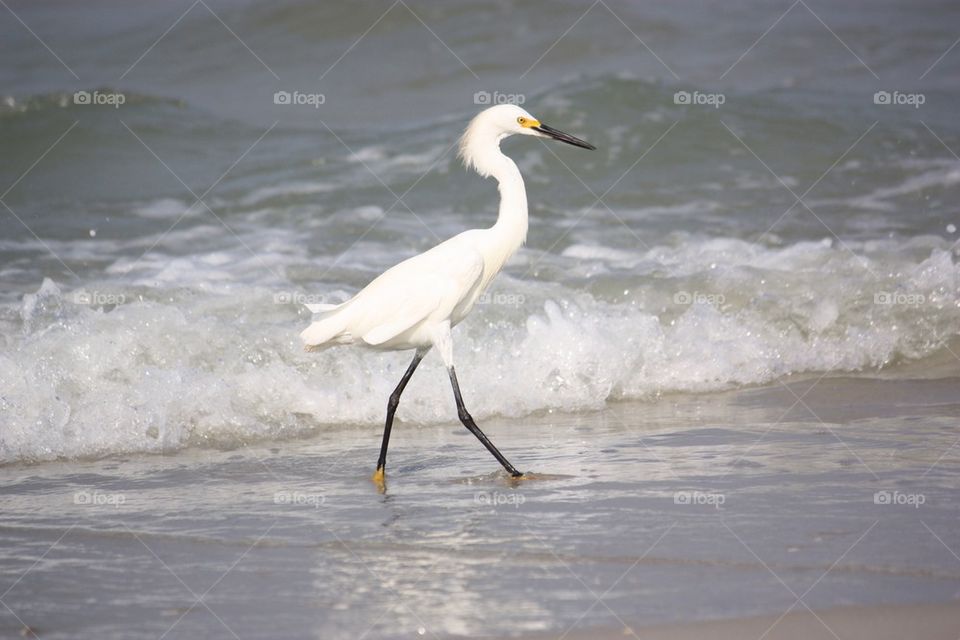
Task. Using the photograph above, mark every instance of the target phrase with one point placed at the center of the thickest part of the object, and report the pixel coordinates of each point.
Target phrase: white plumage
(404, 307)
(415, 304)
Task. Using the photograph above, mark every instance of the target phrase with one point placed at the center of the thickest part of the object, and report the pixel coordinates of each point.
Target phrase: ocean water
(694, 507)
(154, 254)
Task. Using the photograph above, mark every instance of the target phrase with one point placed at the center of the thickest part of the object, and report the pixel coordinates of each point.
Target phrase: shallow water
(689, 508)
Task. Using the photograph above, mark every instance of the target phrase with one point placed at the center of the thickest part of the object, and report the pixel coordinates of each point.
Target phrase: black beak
(564, 137)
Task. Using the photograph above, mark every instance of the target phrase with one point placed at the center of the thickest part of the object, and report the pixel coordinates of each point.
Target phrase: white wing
(416, 307)
(423, 288)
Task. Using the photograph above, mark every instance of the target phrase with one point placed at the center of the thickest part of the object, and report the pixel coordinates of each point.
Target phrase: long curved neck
(510, 231)
(480, 149)
(512, 221)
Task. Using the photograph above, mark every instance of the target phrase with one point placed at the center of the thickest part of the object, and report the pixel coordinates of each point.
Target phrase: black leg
(468, 422)
(391, 409)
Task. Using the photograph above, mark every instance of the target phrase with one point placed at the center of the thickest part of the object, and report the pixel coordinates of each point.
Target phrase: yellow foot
(380, 479)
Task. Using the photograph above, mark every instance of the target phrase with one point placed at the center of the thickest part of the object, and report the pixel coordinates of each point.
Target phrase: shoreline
(887, 393)
(697, 516)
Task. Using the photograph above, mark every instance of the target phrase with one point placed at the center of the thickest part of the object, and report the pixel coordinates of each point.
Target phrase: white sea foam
(377, 159)
(164, 209)
(286, 189)
(216, 365)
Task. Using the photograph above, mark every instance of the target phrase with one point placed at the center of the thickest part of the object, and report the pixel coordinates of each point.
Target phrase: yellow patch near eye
(528, 122)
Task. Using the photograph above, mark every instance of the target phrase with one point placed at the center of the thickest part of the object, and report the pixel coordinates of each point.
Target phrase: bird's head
(492, 125)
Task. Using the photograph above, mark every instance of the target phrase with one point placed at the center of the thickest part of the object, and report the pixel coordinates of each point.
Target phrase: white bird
(415, 304)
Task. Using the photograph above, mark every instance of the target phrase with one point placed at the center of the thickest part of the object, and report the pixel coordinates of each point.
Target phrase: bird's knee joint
(393, 403)
(464, 415)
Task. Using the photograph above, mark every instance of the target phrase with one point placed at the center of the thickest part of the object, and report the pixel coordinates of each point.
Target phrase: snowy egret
(416, 303)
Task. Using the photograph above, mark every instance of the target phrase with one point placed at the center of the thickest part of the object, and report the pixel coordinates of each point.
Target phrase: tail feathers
(320, 308)
(324, 332)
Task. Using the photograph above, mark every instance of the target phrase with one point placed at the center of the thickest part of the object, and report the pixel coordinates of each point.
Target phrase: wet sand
(690, 516)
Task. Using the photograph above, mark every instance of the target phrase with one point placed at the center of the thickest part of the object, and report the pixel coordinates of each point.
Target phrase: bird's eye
(521, 120)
